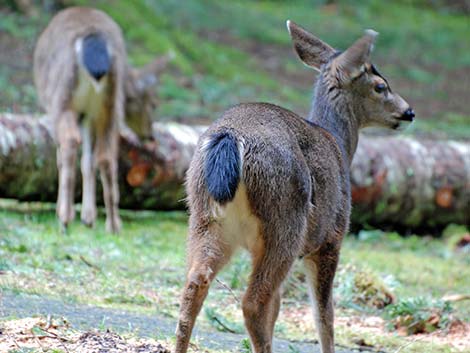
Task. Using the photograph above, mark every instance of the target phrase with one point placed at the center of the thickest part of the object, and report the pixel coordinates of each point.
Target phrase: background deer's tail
(95, 56)
(222, 166)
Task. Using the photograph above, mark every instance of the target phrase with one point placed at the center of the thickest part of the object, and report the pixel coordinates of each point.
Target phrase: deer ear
(311, 50)
(147, 76)
(350, 63)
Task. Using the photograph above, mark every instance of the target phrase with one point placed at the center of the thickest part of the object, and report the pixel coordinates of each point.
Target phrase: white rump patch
(240, 227)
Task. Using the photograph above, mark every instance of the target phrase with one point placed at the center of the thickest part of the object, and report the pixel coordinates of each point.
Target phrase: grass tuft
(362, 289)
(419, 315)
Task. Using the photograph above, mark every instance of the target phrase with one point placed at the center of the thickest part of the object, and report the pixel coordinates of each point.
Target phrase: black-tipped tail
(95, 56)
(222, 167)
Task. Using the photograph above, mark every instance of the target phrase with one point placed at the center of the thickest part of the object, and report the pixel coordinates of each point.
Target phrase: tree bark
(397, 182)
(406, 184)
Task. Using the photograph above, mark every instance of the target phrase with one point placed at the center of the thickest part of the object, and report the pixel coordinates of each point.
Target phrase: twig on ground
(38, 342)
(229, 289)
(194, 346)
(455, 297)
(89, 264)
(361, 348)
(61, 339)
(416, 339)
(53, 335)
(14, 341)
(228, 329)
(48, 322)
(64, 346)
(50, 335)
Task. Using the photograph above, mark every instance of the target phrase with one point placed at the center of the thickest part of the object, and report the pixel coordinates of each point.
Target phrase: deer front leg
(321, 268)
(68, 139)
(108, 166)
(88, 215)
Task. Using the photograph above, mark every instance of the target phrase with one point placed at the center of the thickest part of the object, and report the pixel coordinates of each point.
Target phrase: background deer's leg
(68, 139)
(321, 268)
(108, 165)
(88, 167)
(207, 254)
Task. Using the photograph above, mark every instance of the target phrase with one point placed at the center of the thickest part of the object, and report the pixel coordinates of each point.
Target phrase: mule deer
(267, 180)
(87, 88)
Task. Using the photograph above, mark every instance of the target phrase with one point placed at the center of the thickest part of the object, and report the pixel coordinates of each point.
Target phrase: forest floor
(46, 275)
(53, 324)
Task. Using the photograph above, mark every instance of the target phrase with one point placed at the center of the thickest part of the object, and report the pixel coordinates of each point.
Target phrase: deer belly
(240, 227)
(89, 97)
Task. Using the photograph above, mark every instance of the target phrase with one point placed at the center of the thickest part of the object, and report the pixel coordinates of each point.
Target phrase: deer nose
(408, 115)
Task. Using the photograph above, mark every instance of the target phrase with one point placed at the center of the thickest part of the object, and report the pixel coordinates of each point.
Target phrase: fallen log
(397, 182)
(406, 184)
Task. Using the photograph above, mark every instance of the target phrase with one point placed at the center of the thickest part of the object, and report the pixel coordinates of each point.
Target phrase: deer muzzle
(408, 115)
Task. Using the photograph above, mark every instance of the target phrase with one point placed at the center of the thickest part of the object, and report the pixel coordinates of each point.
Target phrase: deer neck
(340, 120)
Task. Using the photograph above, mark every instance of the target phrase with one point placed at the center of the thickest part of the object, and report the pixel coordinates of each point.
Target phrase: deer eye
(380, 88)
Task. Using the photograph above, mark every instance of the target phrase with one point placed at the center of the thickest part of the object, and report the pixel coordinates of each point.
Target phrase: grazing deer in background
(267, 180)
(87, 87)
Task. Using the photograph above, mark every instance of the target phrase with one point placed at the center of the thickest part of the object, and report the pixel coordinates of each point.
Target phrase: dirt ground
(33, 323)
(28, 321)
(457, 335)
(47, 334)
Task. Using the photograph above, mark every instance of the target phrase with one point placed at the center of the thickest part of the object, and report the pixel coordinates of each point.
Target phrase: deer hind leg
(321, 268)
(68, 139)
(261, 302)
(274, 311)
(208, 254)
(107, 161)
(88, 215)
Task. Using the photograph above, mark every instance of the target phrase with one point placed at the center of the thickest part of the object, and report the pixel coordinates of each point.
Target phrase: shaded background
(236, 51)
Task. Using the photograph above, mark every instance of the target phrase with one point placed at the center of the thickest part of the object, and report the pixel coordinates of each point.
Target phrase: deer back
(282, 161)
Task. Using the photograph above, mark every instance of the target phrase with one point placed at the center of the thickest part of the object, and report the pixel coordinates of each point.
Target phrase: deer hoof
(63, 228)
(113, 225)
(88, 223)
(88, 218)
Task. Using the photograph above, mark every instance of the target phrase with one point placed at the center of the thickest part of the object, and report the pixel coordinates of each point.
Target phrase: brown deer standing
(87, 87)
(267, 180)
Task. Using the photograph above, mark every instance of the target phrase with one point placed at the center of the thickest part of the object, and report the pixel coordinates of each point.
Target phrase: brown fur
(293, 197)
(57, 71)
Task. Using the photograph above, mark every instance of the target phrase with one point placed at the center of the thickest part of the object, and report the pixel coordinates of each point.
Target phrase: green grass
(143, 269)
(420, 52)
(427, 266)
(224, 48)
(138, 268)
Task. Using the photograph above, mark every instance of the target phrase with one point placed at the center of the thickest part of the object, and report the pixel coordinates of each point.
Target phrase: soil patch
(44, 334)
(80, 319)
